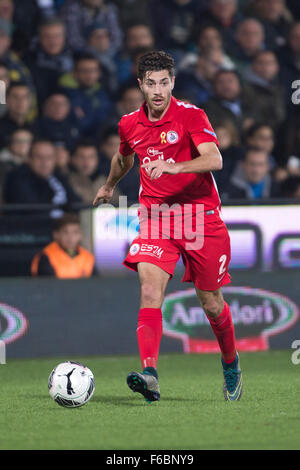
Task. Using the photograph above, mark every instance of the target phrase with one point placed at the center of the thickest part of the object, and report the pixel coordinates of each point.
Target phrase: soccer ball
(71, 384)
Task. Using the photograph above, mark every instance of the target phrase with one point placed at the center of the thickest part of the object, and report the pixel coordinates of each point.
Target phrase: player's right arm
(120, 165)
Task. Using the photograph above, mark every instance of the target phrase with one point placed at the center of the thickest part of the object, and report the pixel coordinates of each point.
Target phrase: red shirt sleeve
(125, 148)
(200, 128)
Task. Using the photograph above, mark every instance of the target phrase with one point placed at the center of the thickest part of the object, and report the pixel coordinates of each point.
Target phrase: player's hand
(156, 168)
(103, 195)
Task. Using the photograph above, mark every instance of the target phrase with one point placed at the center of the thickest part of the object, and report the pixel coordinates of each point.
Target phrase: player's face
(68, 237)
(157, 89)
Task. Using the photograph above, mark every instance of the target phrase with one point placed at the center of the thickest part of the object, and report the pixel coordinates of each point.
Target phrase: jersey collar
(168, 117)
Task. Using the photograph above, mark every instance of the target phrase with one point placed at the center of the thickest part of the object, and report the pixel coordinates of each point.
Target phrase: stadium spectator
(229, 101)
(250, 38)
(256, 181)
(129, 99)
(86, 176)
(57, 122)
(37, 182)
(18, 103)
(17, 70)
(62, 158)
(137, 37)
(49, 58)
(275, 17)
(208, 39)
(90, 102)
(262, 136)
(79, 14)
(264, 86)
(15, 153)
(231, 150)
(195, 81)
(18, 147)
(177, 23)
(7, 10)
(109, 145)
(223, 15)
(132, 11)
(98, 43)
(64, 258)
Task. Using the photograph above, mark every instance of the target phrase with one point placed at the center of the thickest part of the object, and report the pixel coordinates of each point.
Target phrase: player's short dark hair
(66, 219)
(154, 61)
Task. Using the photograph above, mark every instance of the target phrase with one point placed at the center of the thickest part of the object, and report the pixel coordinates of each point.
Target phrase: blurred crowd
(69, 67)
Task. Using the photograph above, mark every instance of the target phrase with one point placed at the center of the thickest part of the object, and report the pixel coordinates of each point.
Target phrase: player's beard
(158, 104)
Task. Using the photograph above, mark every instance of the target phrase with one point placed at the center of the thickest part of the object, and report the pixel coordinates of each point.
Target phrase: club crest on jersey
(172, 137)
(134, 249)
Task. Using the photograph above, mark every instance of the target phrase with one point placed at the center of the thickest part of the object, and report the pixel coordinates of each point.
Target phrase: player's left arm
(209, 159)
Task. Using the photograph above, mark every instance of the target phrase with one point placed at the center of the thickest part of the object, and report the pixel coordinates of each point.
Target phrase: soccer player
(178, 150)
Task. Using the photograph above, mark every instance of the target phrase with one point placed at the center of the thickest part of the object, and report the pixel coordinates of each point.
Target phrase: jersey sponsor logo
(153, 250)
(155, 153)
(152, 152)
(134, 249)
(172, 137)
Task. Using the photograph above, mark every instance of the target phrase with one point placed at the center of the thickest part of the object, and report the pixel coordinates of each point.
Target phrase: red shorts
(206, 266)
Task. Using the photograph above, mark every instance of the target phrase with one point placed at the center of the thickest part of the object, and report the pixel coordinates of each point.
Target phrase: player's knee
(151, 295)
(212, 308)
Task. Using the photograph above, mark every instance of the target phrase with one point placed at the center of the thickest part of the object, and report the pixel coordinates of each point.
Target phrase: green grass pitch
(192, 413)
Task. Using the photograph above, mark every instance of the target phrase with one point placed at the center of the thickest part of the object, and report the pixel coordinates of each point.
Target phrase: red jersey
(173, 138)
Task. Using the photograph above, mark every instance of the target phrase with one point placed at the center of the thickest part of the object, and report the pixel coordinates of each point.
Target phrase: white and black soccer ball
(71, 384)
